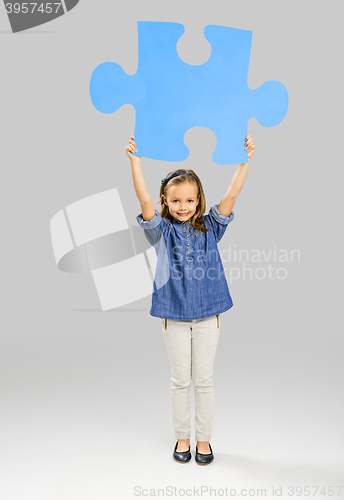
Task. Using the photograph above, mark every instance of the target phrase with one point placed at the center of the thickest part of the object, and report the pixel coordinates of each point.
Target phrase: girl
(190, 289)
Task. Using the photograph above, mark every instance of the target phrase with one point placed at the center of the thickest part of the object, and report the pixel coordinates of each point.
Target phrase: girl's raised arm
(147, 207)
(226, 205)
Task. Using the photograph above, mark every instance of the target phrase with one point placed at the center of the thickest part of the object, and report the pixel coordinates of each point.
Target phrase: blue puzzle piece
(170, 96)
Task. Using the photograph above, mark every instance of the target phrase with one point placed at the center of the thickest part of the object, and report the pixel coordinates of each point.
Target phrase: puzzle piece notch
(193, 48)
(214, 95)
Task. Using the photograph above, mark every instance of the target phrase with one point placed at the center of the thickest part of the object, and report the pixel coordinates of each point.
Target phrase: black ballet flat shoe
(204, 458)
(183, 457)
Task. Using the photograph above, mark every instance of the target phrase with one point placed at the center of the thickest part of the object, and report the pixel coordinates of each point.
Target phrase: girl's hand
(250, 147)
(132, 148)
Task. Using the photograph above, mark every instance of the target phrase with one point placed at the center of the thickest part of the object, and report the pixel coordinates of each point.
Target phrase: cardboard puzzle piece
(170, 96)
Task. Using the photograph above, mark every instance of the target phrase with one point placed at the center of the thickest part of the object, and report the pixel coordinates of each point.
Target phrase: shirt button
(188, 252)
(188, 244)
(187, 235)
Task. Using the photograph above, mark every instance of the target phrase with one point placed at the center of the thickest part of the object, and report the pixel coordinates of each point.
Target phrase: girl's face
(182, 200)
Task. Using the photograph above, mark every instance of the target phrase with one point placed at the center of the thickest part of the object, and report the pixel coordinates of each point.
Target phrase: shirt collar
(182, 223)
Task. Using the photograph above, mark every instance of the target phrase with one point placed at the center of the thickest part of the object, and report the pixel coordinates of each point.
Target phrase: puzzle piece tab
(170, 96)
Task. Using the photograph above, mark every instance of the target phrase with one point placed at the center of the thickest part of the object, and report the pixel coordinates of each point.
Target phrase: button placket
(188, 255)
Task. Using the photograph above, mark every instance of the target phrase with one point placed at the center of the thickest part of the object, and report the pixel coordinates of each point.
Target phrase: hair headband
(174, 174)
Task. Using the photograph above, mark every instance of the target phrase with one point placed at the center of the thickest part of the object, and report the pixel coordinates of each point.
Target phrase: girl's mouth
(183, 214)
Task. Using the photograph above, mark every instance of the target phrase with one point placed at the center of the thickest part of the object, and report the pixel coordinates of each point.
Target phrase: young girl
(190, 289)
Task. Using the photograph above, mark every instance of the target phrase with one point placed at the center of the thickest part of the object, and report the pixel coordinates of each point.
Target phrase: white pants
(191, 347)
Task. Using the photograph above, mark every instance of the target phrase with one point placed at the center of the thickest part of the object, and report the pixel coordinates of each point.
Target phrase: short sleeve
(218, 222)
(153, 227)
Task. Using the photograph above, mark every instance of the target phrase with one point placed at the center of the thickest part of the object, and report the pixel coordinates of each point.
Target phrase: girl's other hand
(131, 148)
(249, 146)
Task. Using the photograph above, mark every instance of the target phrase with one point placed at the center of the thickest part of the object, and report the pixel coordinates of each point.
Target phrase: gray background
(85, 408)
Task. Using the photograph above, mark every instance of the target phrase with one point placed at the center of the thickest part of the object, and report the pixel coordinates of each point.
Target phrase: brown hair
(196, 220)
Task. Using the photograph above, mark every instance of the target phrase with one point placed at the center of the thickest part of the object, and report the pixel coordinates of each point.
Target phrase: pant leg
(205, 336)
(177, 336)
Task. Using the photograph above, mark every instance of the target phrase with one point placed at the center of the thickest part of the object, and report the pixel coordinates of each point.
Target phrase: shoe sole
(208, 463)
(182, 461)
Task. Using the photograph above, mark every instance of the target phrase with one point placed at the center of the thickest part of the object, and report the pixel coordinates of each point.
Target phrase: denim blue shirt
(189, 282)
